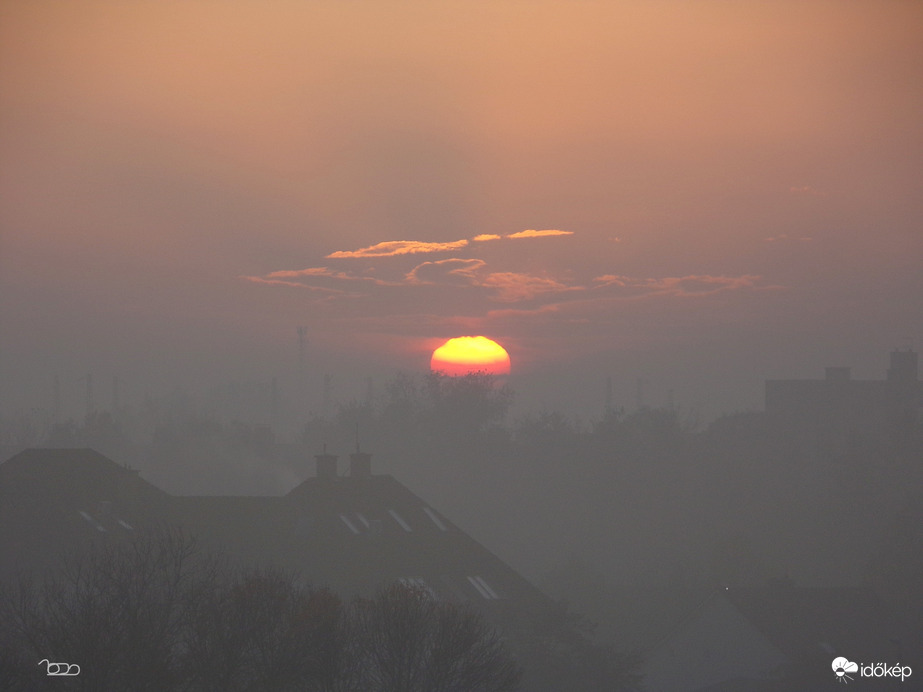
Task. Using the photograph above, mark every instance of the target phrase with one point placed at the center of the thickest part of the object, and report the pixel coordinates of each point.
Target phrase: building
(837, 411)
(353, 532)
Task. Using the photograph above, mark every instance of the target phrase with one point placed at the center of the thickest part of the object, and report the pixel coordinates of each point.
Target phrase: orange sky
(738, 188)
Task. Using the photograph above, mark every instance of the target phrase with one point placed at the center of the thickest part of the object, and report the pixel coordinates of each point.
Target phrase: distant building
(838, 411)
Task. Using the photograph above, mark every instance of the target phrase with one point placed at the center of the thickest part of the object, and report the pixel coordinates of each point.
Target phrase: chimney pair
(360, 465)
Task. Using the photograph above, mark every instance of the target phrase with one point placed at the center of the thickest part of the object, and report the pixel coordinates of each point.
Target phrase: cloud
(447, 271)
(784, 237)
(291, 284)
(531, 233)
(512, 286)
(680, 286)
(325, 272)
(391, 248)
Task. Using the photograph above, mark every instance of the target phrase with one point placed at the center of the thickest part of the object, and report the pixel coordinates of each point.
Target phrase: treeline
(158, 613)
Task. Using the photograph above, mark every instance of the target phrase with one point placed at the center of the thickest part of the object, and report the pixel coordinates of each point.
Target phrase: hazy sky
(703, 194)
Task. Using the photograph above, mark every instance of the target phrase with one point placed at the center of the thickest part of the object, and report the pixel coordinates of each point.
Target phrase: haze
(740, 184)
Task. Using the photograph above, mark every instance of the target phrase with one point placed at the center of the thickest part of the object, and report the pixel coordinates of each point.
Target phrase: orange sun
(465, 354)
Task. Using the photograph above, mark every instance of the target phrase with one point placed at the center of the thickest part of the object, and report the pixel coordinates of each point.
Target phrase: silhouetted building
(353, 532)
(838, 411)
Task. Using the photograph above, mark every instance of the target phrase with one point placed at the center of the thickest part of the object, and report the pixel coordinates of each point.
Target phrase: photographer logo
(62, 669)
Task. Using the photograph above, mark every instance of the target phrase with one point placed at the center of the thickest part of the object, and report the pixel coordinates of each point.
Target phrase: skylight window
(435, 518)
(92, 521)
(125, 525)
(349, 524)
(399, 520)
(483, 588)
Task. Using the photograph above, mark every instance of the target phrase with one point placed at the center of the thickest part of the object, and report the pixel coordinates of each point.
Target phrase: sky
(696, 195)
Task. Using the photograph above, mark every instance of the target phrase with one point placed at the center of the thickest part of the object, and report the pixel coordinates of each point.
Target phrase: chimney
(360, 464)
(326, 464)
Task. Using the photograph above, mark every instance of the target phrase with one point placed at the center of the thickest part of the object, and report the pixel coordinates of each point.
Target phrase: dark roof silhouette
(350, 533)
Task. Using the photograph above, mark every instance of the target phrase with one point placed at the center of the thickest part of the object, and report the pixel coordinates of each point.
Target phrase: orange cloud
(531, 233)
(784, 236)
(681, 286)
(486, 236)
(291, 284)
(391, 248)
(454, 271)
(324, 272)
(511, 286)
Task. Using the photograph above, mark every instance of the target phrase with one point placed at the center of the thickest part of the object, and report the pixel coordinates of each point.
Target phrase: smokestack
(326, 464)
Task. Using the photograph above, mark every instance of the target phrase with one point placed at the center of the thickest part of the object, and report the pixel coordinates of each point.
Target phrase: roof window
(435, 518)
(399, 520)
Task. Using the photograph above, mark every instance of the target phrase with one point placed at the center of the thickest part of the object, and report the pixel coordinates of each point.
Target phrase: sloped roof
(350, 533)
(54, 500)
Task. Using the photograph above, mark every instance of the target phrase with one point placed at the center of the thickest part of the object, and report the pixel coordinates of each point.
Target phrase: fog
(232, 235)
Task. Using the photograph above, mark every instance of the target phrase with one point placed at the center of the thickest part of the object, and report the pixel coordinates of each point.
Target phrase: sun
(465, 354)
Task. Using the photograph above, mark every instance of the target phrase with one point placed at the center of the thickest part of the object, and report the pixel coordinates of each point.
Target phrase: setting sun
(465, 354)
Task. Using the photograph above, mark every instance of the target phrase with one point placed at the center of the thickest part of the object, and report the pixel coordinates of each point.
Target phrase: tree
(404, 640)
(156, 613)
(117, 611)
(264, 631)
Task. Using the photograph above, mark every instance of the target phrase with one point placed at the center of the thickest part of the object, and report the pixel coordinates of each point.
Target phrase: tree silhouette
(404, 640)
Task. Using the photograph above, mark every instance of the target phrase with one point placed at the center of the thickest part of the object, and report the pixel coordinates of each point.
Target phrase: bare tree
(156, 613)
(117, 611)
(403, 640)
(264, 631)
